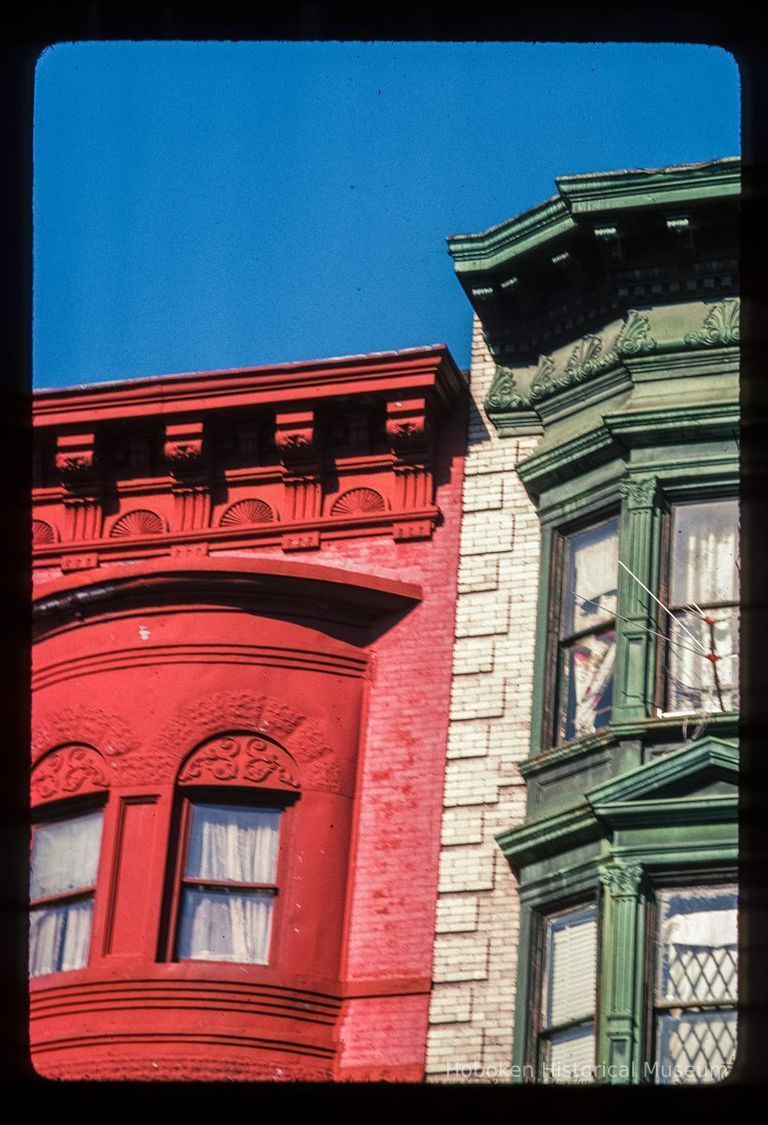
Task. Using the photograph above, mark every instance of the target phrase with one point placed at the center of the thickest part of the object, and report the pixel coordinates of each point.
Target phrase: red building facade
(245, 584)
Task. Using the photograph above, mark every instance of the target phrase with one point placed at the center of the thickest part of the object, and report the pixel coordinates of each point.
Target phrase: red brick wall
(396, 838)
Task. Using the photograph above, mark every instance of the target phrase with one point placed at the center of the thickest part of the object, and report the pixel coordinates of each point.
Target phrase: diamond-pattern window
(696, 984)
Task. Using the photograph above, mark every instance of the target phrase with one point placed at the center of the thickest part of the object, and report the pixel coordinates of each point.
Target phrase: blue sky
(214, 205)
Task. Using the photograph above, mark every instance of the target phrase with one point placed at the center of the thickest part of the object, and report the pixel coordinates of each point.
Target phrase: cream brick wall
(475, 964)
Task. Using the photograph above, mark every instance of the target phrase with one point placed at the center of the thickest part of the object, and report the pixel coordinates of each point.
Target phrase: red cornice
(325, 589)
(430, 371)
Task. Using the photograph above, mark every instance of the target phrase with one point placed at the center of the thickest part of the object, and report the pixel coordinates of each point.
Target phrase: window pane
(65, 855)
(233, 843)
(570, 972)
(569, 1056)
(697, 955)
(705, 544)
(59, 937)
(696, 965)
(695, 1046)
(691, 681)
(223, 925)
(586, 685)
(591, 578)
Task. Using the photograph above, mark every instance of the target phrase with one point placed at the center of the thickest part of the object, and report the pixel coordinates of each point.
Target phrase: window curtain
(592, 663)
(226, 926)
(706, 552)
(704, 572)
(65, 858)
(592, 578)
(232, 844)
(570, 1056)
(65, 855)
(59, 937)
(700, 955)
(569, 994)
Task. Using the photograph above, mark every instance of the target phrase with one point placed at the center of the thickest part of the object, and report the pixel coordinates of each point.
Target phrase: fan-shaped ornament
(247, 512)
(42, 533)
(358, 501)
(136, 524)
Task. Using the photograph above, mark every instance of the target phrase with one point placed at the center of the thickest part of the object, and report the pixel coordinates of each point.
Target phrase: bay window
(63, 871)
(567, 1010)
(703, 635)
(689, 996)
(587, 630)
(228, 882)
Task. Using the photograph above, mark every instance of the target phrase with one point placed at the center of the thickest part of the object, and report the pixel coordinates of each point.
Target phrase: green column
(634, 648)
(619, 1027)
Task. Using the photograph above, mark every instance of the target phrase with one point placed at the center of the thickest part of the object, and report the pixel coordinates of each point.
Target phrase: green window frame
(698, 667)
(563, 1000)
(693, 982)
(583, 616)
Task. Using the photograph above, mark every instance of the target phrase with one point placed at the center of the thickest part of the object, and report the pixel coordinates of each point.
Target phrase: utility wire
(701, 652)
(665, 608)
(646, 629)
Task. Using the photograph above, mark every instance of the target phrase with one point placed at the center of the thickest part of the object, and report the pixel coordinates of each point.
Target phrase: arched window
(235, 793)
(63, 871)
(68, 789)
(229, 882)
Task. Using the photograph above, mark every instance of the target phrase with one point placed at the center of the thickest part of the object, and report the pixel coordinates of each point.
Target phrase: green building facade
(612, 315)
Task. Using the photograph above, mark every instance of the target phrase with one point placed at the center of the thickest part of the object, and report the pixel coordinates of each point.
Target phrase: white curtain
(233, 844)
(701, 955)
(705, 572)
(65, 855)
(59, 937)
(709, 571)
(226, 926)
(595, 577)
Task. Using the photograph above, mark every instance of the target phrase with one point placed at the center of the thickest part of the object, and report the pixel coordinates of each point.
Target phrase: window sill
(130, 971)
(649, 730)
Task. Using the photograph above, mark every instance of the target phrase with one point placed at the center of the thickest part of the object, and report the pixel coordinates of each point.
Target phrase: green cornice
(547, 837)
(543, 469)
(516, 236)
(567, 753)
(619, 431)
(649, 187)
(695, 338)
(654, 427)
(706, 754)
(593, 194)
(619, 268)
(629, 800)
(682, 810)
